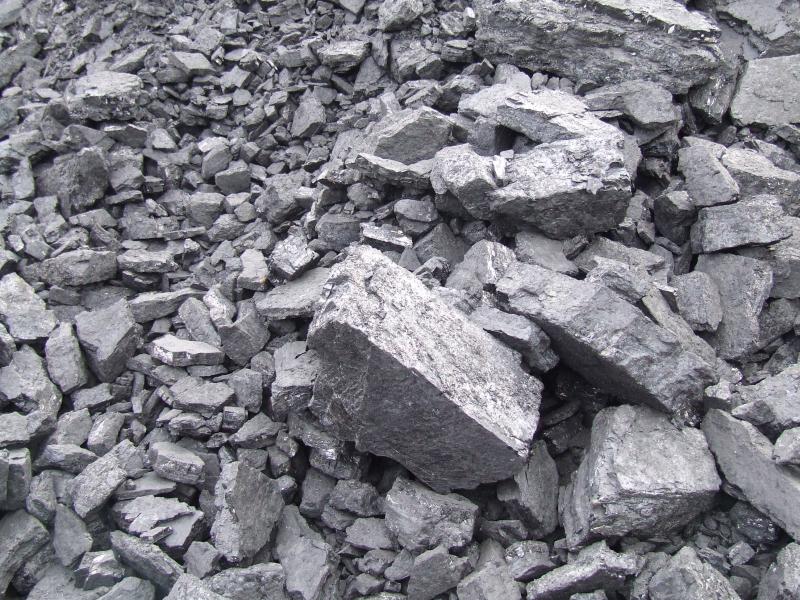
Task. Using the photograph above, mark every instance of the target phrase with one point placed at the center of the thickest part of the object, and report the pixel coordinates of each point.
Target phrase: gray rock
(532, 495)
(294, 299)
(309, 562)
(698, 300)
(787, 447)
(372, 328)
(309, 118)
(176, 352)
(536, 249)
(369, 534)
(150, 306)
(176, 463)
(246, 336)
(24, 383)
(756, 174)
(397, 14)
(467, 175)
(13, 430)
(203, 397)
(774, 399)
(673, 215)
(343, 55)
(483, 266)
(567, 188)
(602, 42)
(21, 535)
(650, 262)
(756, 220)
(263, 581)
(189, 587)
(197, 320)
(782, 579)
(104, 95)
(520, 333)
(78, 180)
(647, 104)
(527, 560)
(296, 371)
(489, 582)
(131, 587)
(23, 312)
(249, 505)
(409, 135)
(71, 539)
(92, 488)
(642, 476)
(58, 582)
(68, 457)
(440, 242)
(76, 267)
(291, 258)
(104, 433)
(146, 559)
(434, 572)
(607, 340)
(65, 362)
(630, 282)
(784, 259)
(708, 182)
(15, 478)
(201, 559)
(140, 260)
(686, 576)
(744, 285)
(109, 337)
(768, 92)
(336, 231)
(744, 456)
(596, 566)
(421, 519)
(415, 217)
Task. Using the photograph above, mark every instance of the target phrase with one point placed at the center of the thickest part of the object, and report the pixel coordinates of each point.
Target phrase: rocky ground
(395, 299)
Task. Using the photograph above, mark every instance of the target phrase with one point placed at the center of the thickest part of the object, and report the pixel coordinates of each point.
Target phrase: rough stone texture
(77, 267)
(259, 582)
(708, 182)
(65, 362)
(109, 337)
(434, 572)
(686, 576)
(182, 353)
(566, 188)
(189, 587)
(249, 505)
(662, 41)
(744, 285)
(698, 300)
(21, 535)
(782, 579)
(769, 92)
(22, 311)
(491, 581)
(421, 519)
(378, 319)
(744, 456)
(607, 340)
(467, 175)
(294, 299)
(642, 476)
(595, 567)
(758, 220)
(774, 399)
(146, 559)
(532, 495)
(409, 136)
(756, 174)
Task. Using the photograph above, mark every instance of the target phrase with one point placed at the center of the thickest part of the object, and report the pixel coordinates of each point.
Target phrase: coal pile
(400, 300)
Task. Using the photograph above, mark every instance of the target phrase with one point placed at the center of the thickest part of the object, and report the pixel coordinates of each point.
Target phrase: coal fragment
(109, 337)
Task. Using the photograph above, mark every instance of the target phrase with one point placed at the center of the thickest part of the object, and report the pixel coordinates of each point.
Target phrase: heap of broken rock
(399, 299)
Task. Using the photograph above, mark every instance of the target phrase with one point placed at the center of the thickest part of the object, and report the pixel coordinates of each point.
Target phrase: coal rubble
(400, 299)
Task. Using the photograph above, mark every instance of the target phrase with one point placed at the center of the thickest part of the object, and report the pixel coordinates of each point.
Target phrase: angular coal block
(608, 341)
(441, 396)
(641, 476)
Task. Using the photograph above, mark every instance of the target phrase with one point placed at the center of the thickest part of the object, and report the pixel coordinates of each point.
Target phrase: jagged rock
(309, 562)
(259, 582)
(527, 560)
(756, 174)
(744, 456)
(686, 576)
(189, 587)
(787, 447)
(76, 267)
(647, 104)
(372, 327)
(131, 587)
(70, 536)
(642, 476)
(309, 117)
(602, 42)
(24, 383)
(483, 266)
(744, 285)
(296, 371)
(532, 495)
(175, 463)
(708, 182)
(343, 55)
(246, 336)
(249, 505)
(491, 581)
(774, 400)
(596, 566)
(154, 305)
(698, 300)
(567, 188)
(467, 175)
(434, 572)
(757, 220)
(146, 559)
(409, 136)
(78, 180)
(536, 249)
(294, 299)
(176, 352)
(421, 519)
(104, 95)
(92, 488)
(607, 340)
(65, 362)
(673, 215)
(21, 535)
(109, 337)
(24, 313)
(397, 14)
(782, 579)
(768, 92)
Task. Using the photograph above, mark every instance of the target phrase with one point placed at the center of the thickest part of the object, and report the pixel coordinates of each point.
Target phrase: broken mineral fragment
(607, 340)
(641, 476)
(405, 376)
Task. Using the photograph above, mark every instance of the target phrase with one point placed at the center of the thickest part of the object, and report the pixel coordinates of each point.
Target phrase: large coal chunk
(601, 41)
(608, 340)
(408, 377)
(641, 476)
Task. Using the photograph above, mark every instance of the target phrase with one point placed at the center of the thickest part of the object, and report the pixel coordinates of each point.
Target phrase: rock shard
(405, 376)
